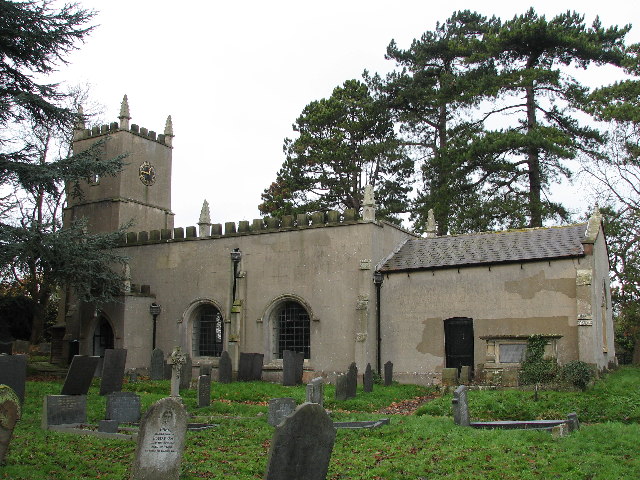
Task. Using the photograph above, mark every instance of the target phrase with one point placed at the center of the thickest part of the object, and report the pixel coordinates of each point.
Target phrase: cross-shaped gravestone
(177, 359)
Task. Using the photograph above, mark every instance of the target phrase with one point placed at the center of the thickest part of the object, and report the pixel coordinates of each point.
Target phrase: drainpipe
(377, 280)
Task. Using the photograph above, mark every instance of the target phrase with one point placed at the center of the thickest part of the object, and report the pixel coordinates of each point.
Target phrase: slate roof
(510, 246)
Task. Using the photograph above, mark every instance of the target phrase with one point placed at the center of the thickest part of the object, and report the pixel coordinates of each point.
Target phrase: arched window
(102, 337)
(292, 329)
(207, 332)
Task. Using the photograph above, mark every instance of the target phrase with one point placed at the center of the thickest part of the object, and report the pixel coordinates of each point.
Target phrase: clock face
(147, 174)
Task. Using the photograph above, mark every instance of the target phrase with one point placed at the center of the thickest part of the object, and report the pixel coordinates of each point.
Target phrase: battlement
(259, 226)
(113, 127)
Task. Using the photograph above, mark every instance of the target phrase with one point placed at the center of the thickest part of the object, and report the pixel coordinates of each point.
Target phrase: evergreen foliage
(36, 254)
(535, 368)
(579, 374)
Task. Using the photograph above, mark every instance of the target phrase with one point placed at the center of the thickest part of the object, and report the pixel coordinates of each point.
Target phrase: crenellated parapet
(258, 226)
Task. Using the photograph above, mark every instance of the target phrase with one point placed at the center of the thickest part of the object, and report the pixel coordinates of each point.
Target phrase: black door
(458, 342)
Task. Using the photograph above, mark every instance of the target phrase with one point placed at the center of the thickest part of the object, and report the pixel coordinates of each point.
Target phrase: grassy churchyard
(422, 444)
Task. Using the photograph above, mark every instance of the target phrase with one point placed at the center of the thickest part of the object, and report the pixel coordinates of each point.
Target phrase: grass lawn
(424, 446)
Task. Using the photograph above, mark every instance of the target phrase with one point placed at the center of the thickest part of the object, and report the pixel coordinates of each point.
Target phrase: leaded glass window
(208, 330)
(292, 329)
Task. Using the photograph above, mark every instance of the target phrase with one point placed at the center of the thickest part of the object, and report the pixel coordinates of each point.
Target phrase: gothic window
(208, 332)
(292, 329)
(102, 337)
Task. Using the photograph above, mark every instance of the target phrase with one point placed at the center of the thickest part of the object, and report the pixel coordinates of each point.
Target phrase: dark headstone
(301, 445)
(108, 426)
(315, 391)
(279, 409)
(388, 374)
(204, 391)
(572, 422)
(113, 370)
(342, 387)
(9, 416)
(13, 373)
(292, 367)
(460, 406)
(186, 373)
(352, 376)
(245, 367)
(205, 369)
(367, 379)
(123, 407)
(256, 366)
(6, 348)
(224, 368)
(156, 372)
(160, 441)
(79, 375)
(64, 410)
(168, 371)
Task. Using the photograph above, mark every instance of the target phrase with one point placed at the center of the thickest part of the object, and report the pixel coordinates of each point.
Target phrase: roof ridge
(511, 230)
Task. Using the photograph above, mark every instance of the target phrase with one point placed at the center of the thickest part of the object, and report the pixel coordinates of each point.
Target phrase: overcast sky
(235, 75)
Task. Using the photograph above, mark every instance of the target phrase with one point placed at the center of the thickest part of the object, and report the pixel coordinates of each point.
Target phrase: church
(340, 287)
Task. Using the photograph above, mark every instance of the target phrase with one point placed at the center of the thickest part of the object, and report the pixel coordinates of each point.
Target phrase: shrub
(535, 368)
(578, 374)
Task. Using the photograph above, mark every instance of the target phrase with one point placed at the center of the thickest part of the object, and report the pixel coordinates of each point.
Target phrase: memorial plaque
(204, 391)
(160, 442)
(279, 409)
(80, 375)
(225, 371)
(301, 445)
(123, 407)
(157, 370)
(113, 370)
(13, 373)
(64, 410)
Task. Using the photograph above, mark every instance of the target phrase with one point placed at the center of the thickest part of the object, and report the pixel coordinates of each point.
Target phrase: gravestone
(13, 373)
(9, 415)
(572, 422)
(160, 441)
(79, 375)
(256, 366)
(301, 445)
(352, 376)
(205, 369)
(449, 376)
(123, 407)
(279, 409)
(292, 367)
(224, 368)
(315, 391)
(204, 391)
(64, 410)
(108, 426)
(186, 373)
(465, 374)
(168, 371)
(156, 371)
(245, 367)
(460, 406)
(113, 370)
(342, 387)
(367, 379)
(388, 373)
(177, 359)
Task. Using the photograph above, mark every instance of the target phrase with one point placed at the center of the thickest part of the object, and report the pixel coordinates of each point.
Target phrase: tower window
(208, 332)
(292, 329)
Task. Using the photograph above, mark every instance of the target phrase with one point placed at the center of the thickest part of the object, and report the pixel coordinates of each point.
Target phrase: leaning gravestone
(279, 409)
(204, 391)
(64, 410)
(292, 367)
(301, 445)
(80, 375)
(460, 406)
(315, 391)
(9, 416)
(113, 370)
(160, 441)
(367, 379)
(352, 375)
(388, 374)
(156, 372)
(186, 373)
(224, 368)
(342, 387)
(123, 407)
(13, 373)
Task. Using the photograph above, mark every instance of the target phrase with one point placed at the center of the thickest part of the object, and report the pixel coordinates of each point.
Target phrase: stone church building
(338, 286)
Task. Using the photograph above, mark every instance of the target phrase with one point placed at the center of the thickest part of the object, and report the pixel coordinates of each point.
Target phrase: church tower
(141, 192)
